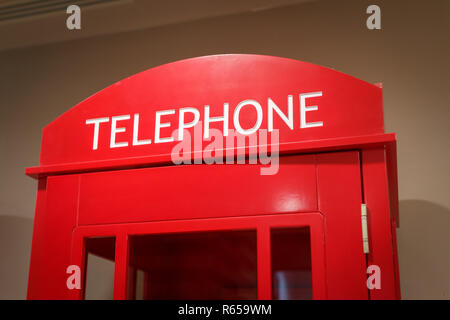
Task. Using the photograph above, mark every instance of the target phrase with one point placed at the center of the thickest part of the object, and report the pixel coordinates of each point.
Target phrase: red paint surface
(171, 193)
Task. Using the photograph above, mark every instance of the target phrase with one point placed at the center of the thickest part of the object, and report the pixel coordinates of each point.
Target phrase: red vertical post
(121, 267)
(318, 268)
(56, 217)
(340, 198)
(264, 263)
(79, 259)
(376, 196)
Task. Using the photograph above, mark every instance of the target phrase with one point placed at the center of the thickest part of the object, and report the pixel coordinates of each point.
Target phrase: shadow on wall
(423, 244)
(15, 247)
(16, 235)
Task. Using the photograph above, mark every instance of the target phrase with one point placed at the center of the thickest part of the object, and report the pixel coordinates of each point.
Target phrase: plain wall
(410, 56)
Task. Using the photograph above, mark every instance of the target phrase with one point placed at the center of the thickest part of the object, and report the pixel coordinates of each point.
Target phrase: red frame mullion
(264, 263)
(121, 267)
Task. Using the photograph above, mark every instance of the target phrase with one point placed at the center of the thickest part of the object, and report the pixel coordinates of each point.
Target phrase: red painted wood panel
(121, 267)
(339, 189)
(264, 263)
(379, 221)
(52, 243)
(197, 191)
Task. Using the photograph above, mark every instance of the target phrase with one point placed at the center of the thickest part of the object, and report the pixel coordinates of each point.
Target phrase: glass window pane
(197, 265)
(291, 264)
(100, 257)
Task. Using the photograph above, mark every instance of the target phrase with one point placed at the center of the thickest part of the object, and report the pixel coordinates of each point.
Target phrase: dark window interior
(291, 264)
(197, 265)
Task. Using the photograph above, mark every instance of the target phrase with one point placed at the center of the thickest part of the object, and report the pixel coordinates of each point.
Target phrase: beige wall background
(410, 55)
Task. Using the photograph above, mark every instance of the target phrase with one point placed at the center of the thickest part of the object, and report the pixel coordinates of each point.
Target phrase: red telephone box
(109, 185)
